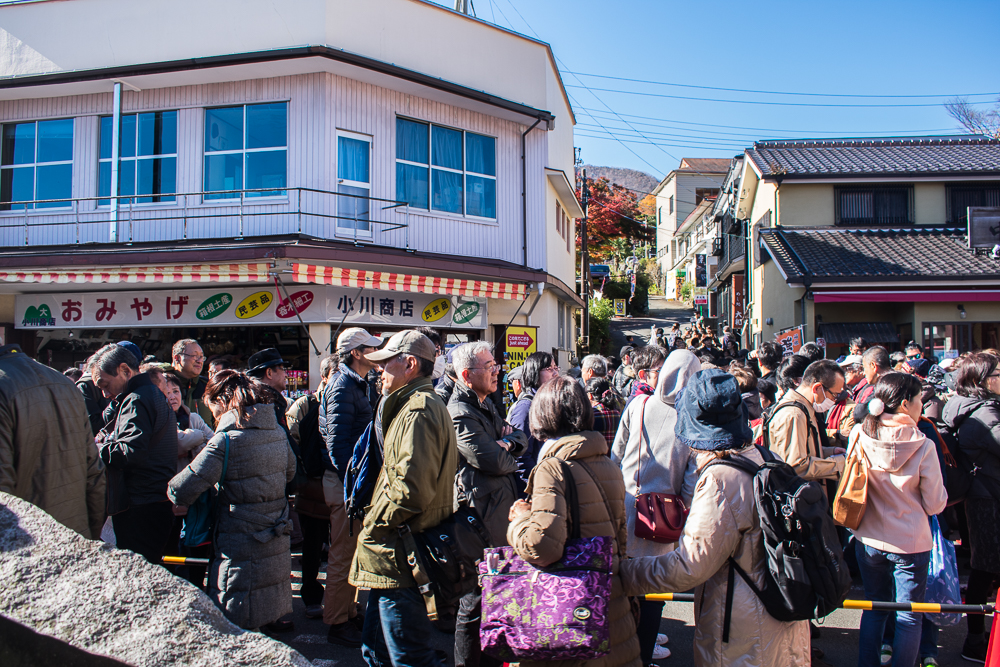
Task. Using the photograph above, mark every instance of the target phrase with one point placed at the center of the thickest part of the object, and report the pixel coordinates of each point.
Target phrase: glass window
(444, 169)
(963, 195)
(147, 165)
(246, 147)
(36, 163)
(353, 182)
(873, 206)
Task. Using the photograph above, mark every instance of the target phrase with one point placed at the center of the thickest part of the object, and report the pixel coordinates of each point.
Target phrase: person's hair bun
(876, 407)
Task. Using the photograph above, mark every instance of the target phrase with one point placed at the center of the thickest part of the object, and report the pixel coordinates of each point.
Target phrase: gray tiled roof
(861, 255)
(904, 156)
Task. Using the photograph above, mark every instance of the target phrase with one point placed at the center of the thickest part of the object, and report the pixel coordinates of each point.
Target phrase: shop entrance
(951, 339)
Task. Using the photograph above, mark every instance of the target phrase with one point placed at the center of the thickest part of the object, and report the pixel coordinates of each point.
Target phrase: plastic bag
(942, 577)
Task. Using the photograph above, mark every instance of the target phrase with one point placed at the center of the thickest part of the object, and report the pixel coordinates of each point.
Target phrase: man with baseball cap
(421, 451)
(344, 413)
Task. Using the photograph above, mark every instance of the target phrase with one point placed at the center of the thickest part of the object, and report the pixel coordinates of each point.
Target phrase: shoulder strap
(738, 462)
(810, 426)
(225, 459)
(642, 430)
(572, 500)
(728, 617)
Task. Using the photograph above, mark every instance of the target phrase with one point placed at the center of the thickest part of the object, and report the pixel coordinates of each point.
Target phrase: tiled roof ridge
(916, 229)
(862, 142)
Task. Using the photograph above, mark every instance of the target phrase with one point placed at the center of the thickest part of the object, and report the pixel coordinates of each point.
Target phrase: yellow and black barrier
(183, 560)
(866, 605)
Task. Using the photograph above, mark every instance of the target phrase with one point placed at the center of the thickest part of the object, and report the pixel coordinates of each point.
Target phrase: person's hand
(518, 509)
(839, 450)
(180, 510)
(507, 430)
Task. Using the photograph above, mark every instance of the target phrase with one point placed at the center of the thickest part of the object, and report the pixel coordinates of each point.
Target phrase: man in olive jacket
(415, 487)
(47, 451)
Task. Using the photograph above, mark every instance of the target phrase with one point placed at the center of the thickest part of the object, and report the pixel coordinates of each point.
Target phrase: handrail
(213, 204)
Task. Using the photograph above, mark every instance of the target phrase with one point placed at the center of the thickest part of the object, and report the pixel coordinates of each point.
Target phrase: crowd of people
(129, 451)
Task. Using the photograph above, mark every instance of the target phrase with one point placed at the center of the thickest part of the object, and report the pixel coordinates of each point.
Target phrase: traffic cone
(993, 651)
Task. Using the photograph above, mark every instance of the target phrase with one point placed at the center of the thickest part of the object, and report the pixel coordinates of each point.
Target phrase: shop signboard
(619, 307)
(790, 340)
(519, 342)
(701, 271)
(228, 305)
(738, 306)
(700, 296)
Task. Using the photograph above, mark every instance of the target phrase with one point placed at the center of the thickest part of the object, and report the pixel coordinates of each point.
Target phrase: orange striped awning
(379, 280)
(198, 273)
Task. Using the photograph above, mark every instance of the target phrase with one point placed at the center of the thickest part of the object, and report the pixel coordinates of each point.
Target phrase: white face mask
(826, 404)
(439, 363)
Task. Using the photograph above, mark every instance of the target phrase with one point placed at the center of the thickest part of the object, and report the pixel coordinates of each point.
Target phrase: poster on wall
(519, 342)
(790, 340)
(619, 307)
(227, 306)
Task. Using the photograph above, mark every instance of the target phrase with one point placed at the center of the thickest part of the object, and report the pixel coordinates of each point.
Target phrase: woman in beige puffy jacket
(723, 523)
(561, 417)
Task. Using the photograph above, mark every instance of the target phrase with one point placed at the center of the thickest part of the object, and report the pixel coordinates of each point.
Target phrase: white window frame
(135, 160)
(34, 168)
(464, 171)
(247, 199)
(353, 232)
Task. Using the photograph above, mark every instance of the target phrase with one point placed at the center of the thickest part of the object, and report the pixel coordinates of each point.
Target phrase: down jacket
(47, 451)
(344, 414)
(723, 522)
(977, 423)
(248, 578)
(539, 537)
(487, 473)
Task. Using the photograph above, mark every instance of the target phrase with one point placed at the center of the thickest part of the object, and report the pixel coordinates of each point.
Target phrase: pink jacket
(904, 487)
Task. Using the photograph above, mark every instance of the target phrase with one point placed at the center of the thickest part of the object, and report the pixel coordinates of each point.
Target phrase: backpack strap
(728, 617)
(811, 426)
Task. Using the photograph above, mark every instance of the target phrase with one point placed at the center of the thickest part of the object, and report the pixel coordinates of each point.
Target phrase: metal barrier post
(298, 205)
(240, 235)
(25, 224)
(76, 212)
(130, 219)
(185, 216)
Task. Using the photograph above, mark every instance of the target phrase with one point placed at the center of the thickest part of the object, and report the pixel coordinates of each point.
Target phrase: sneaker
(344, 634)
(662, 639)
(974, 650)
(929, 662)
(885, 655)
(314, 611)
(660, 652)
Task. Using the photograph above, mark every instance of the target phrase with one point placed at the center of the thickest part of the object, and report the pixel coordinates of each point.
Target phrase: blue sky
(876, 47)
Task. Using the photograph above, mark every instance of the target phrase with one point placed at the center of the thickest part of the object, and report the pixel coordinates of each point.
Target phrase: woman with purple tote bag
(522, 622)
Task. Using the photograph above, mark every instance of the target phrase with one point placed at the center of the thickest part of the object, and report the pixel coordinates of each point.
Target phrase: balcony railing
(206, 215)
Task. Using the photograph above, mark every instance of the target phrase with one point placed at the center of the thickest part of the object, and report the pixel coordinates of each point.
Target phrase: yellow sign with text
(519, 342)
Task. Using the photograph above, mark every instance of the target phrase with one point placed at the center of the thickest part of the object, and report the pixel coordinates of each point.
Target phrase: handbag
(199, 523)
(659, 517)
(942, 577)
(852, 492)
(559, 612)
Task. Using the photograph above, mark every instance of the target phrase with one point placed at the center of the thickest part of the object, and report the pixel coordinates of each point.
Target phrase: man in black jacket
(139, 447)
(345, 411)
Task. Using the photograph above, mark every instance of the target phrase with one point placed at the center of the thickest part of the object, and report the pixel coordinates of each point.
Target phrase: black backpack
(312, 448)
(806, 576)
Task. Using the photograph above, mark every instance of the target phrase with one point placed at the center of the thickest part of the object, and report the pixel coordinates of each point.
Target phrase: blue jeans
(928, 636)
(397, 632)
(890, 577)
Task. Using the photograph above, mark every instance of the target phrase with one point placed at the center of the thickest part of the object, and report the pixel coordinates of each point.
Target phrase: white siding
(318, 105)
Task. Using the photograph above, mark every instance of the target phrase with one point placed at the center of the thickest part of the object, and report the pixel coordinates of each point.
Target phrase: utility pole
(462, 6)
(585, 267)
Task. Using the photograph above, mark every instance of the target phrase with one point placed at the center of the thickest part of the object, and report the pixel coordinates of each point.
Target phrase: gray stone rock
(112, 602)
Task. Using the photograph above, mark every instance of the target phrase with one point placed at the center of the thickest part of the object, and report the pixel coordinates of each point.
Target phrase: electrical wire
(774, 92)
(760, 102)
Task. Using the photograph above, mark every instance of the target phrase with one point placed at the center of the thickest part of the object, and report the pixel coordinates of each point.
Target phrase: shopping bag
(942, 577)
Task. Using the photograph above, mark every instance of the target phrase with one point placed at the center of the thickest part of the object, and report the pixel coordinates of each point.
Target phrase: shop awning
(841, 333)
(906, 296)
(199, 273)
(401, 282)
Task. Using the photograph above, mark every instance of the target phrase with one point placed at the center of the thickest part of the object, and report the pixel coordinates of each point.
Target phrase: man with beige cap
(344, 413)
(416, 487)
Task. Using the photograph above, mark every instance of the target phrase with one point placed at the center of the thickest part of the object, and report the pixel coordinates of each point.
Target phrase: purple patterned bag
(556, 613)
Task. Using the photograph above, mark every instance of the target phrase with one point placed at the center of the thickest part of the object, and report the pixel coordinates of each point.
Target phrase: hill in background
(630, 178)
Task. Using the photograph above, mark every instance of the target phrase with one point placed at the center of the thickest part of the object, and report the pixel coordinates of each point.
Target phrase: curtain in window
(411, 141)
(411, 185)
(352, 159)
(447, 148)
(480, 154)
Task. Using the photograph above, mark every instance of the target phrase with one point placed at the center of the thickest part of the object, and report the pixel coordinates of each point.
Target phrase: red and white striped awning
(379, 280)
(199, 273)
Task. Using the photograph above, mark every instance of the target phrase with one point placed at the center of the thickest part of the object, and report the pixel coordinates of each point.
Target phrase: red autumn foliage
(614, 212)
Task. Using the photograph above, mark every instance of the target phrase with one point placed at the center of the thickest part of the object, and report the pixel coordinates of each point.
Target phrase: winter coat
(976, 421)
(142, 441)
(487, 473)
(445, 387)
(791, 437)
(94, 400)
(667, 466)
(723, 522)
(416, 485)
(249, 575)
(622, 381)
(344, 414)
(904, 486)
(191, 440)
(47, 451)
(539, 537)
(517, 417)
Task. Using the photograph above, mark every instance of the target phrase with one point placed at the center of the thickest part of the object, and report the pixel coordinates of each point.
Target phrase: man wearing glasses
(188, 360)
(914, 351)
(487, 479)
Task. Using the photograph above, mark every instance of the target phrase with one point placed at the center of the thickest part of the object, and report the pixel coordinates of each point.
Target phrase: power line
(664, 143)
(760, 102)
(720, 141)
(773, 92)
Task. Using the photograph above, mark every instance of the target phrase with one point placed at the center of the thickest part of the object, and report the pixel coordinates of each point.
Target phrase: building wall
(812, 204)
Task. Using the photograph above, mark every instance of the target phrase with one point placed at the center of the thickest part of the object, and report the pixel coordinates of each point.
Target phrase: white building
(677, 196)
(337, 155)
